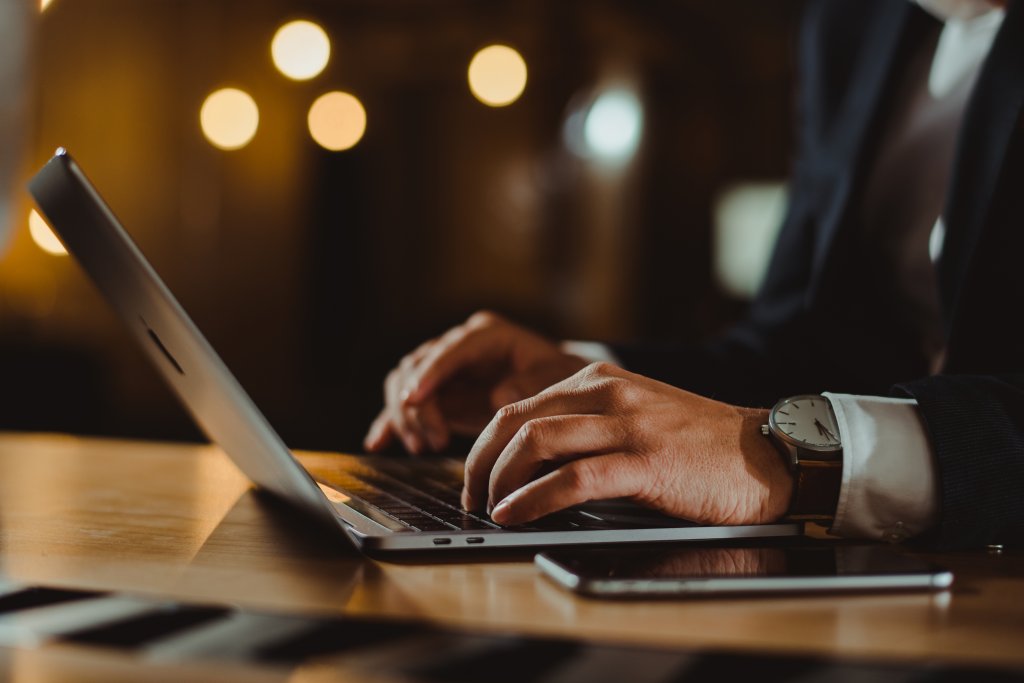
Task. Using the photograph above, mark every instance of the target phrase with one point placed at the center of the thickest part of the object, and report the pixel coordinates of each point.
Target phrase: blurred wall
(312, 271)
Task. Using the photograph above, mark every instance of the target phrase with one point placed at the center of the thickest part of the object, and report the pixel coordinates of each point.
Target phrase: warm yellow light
(337, 121)
(43, 4)
(300, 50)
(497, 75)
(229, 118)
(43, 236)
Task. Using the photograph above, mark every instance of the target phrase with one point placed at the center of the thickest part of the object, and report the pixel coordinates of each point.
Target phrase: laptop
(383, 504)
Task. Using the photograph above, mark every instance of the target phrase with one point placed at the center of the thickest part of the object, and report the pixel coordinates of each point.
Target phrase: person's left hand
(608, 433)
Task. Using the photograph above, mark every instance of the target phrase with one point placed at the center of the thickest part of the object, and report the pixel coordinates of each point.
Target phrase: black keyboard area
(431, 504)
(422, 497)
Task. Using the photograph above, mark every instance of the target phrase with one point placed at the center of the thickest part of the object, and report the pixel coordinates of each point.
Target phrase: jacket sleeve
(976, 427)
(787, 344)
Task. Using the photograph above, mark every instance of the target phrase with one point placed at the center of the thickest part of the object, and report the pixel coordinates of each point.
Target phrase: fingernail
(501, 512)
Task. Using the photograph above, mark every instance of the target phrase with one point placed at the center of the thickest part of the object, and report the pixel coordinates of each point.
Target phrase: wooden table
(181, 521)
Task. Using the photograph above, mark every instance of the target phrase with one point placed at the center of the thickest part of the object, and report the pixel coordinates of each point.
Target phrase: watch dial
(808, 420)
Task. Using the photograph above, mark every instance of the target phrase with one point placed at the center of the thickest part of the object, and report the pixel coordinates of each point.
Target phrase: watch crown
(765, 431)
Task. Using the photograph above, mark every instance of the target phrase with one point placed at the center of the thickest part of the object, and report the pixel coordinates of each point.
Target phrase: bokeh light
(229, 118)
(747, 221)
(611, 129)
(337, 121)
(300, 50)
(497, 75)
(43, 4)
(43, 236)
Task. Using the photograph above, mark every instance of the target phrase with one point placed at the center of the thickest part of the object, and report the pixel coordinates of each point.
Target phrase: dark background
(312, 272)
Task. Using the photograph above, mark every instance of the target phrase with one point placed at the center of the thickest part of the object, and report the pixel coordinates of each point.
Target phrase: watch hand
(823, 430)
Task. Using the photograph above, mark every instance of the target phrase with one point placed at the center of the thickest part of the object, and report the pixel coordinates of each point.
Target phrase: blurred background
(325, 184)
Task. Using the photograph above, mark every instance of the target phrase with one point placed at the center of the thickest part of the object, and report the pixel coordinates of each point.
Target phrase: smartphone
(703, 571)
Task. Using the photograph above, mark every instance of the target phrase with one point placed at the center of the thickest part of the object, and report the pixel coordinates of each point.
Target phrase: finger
(379, 435)
(551, 440)
(422, 350)
(409, 363)
(614, 475)
(424, 420)
(564, 398)
(428, 420)
(462, 347)
(397, 418)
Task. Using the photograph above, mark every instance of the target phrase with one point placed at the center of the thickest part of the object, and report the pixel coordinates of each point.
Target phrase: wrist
(763, 459)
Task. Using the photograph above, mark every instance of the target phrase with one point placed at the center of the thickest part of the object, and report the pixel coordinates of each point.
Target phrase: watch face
(806, 421)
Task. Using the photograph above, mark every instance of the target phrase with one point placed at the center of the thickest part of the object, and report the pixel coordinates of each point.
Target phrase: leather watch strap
(816, 487)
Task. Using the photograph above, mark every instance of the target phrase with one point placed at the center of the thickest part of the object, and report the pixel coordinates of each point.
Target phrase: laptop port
(442, 541)
(474, 540)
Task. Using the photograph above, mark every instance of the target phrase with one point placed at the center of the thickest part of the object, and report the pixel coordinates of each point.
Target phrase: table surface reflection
(181, 521)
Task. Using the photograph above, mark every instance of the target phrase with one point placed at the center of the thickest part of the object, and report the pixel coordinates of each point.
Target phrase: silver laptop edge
(224, 411)
(177, 348)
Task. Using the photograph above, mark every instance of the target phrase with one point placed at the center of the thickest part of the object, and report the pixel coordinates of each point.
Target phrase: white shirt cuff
(889, 489)
(591, 351)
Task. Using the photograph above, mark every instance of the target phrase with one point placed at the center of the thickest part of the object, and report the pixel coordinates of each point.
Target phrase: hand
(455, 383)
(608, 433)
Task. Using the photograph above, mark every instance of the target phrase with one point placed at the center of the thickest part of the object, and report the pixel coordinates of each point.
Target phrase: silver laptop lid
(217, 402)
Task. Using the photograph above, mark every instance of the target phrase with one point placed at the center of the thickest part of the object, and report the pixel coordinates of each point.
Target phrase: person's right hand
(454, 384)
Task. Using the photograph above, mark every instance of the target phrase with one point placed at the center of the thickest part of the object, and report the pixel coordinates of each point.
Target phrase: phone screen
(708, 570)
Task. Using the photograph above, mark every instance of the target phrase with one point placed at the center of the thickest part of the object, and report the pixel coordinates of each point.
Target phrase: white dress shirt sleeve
(591, 351)
(889, 490)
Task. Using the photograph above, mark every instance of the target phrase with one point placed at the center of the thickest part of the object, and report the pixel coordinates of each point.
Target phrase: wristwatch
(804, 430)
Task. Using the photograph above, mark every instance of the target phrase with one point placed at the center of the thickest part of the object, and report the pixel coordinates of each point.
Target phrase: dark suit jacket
(817, 326)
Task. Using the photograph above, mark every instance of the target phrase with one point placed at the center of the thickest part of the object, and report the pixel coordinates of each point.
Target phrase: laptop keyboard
(426, 496)
(431, 505)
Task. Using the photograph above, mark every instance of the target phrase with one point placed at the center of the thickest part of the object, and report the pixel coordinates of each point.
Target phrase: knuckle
(531, 434)
(483, 318)
(596, 373)
(507, 413)
(424, 348)
(623, 391)
(616, 392)
(450, 338)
